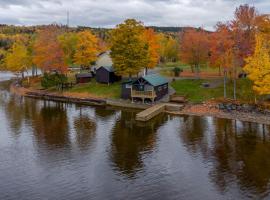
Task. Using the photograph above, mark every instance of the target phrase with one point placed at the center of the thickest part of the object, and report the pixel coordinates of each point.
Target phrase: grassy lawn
(99, 90)
(193, 90)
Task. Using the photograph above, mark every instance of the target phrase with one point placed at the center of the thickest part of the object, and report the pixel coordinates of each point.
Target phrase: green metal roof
(155, 79)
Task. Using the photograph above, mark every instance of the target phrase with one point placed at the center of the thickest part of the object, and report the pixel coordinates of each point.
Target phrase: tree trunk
(192, 68)
(234, 83)
(234, 88)
(225, 84)
(197, 71)
(146, 71)
(219, 70)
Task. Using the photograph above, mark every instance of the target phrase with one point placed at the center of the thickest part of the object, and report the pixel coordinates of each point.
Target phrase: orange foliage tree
(221, 45)
(48, 54)
(195, 48)
(221, 50)
(152, 43)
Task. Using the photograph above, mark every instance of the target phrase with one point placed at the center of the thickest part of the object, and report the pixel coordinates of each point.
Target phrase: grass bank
(195, 93)
(99, 90)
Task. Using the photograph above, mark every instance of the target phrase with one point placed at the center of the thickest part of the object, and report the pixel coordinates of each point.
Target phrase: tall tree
(258, 65)
(152, 44)
(243, 29)
(195, 48)
(68, 42)
(168, 48)
(17, 58)
(87, 49)
(48, 54)
(221, 50)
(128, 49)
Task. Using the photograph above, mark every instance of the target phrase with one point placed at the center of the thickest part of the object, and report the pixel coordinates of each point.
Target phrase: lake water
(61, 151)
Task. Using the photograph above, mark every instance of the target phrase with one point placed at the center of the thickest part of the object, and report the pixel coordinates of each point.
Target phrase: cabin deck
(143, 95)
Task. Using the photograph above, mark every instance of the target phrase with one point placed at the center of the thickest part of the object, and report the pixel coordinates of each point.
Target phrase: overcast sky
(108, 13)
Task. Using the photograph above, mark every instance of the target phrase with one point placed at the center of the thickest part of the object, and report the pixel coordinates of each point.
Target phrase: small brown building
(83, 77)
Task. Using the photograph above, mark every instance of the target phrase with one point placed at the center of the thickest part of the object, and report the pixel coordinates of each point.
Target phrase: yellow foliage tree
(17, 58)
(87, 49)
(68, 42)
(258, 66)
(129, 50)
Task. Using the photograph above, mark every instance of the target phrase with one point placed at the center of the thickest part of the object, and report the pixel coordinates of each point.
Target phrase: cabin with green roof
(151, 87)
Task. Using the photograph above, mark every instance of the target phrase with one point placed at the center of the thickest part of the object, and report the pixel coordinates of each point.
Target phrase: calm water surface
(63, 151)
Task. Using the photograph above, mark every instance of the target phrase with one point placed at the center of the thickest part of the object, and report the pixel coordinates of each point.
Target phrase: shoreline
(204, 109)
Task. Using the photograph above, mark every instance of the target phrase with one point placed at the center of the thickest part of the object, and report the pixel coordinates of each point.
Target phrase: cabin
(153, 87)
(106, 75)
(104, 60)
(83, 77)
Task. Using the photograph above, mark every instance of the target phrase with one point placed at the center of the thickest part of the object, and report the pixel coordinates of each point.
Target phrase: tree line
(242, 42)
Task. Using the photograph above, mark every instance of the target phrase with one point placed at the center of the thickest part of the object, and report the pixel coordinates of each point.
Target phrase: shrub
(51, 80)
(177, 71)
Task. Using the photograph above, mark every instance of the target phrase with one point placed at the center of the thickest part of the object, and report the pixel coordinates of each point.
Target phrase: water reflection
(104, 113)
(132, 140)
(85, 130)
(51, 125)
(61, 151)
(238, 152)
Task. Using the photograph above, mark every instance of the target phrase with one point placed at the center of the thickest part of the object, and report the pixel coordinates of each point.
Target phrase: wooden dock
(156, 110)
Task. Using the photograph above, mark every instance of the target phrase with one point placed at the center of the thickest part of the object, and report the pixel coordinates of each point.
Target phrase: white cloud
(108, 13)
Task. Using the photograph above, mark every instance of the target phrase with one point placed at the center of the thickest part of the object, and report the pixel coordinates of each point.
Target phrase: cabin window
(165, 87)
(148, 88)
(159, 88)
(128, 86)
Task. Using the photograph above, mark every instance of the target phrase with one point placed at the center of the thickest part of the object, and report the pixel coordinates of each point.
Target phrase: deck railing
(143, 94)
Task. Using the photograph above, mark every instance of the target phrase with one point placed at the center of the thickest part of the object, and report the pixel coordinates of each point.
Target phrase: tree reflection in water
(238, 151)
(131, 140)
(51, 125)
(85, 128)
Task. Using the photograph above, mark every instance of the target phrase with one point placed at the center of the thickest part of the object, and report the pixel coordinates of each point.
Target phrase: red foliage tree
(243, 30)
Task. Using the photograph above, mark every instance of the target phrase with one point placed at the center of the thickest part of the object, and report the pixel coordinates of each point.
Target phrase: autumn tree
(195, 48)
(168, 48)
(129, 51)
(221, 50)
(258, 65)
(243, 28)
(48, 54)
(152, 45)
(86, 48)
(17, 58)
(68, 42)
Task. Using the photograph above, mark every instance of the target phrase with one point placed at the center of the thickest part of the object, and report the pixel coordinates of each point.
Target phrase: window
(165, 87)
(159, 88)
(128, 86)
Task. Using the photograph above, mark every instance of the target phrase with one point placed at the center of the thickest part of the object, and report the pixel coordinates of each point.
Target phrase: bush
(177, 71)
(51, 80)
